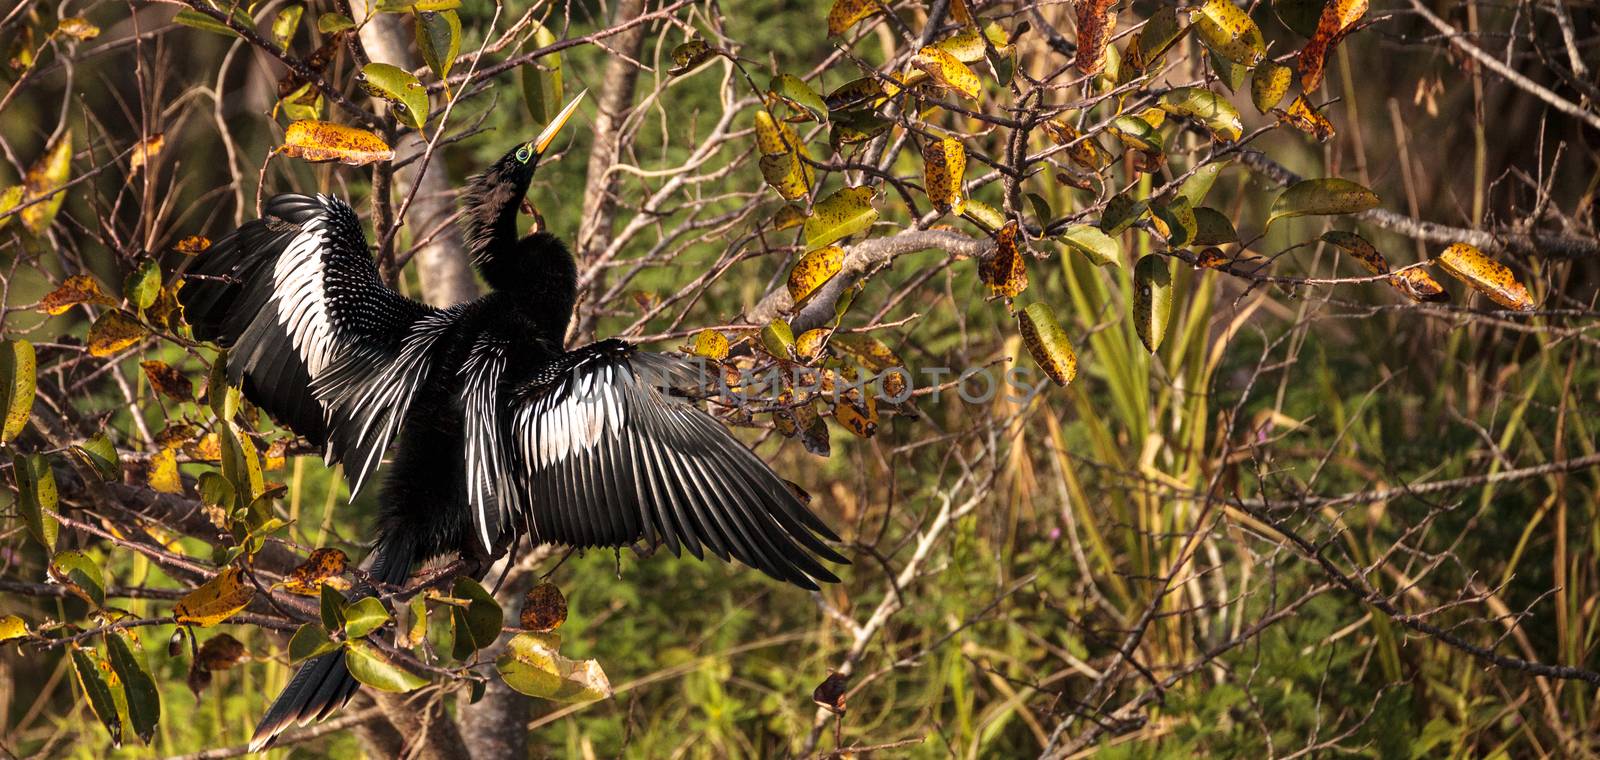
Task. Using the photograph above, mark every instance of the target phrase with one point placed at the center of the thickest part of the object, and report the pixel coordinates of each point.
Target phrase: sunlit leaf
(1362, 251)
(18, 383)
(286, 23)
(1083, 151)
(1269, 82)
(1047, 343)
(532, 664)
(844, 213)
(1097, 19)
(364, 616)
(163, 476)
(139, 689)
(1209, 108)
(44, 180)
(317, 141)
(948, 71)
(323, 566)
(1487, 276)
(787, 174)
(10, 199)
(91, 680)
(1322, 197)
(1337, 19)
(542, 88)
(216, 600)
(1159, 34)
(1198, 185)
(12, 627)
(1006, 271)
(146, 152)
(711, 344)
(544, 608)
(77, 28)
(808, 345)
(1301, 116)
(1228, 30)
(860, 418)
(438, 36)
(193, 245)
(846, 13)
(37, 497)
(866, 92)
(788, 217)
(406, 95)
(143, 284)
(1419, 286)
(689, 55)
(370, 667)
(799, 96)
(113, 332)
(986, 216)
(1136, 133)
(1098, 247)
(1152, 299)
(310, 640)
(944, 165)
(813, 270)
(79, 572)
(778, 339)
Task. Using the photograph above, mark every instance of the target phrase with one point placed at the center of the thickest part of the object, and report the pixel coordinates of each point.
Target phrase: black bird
(500, 433)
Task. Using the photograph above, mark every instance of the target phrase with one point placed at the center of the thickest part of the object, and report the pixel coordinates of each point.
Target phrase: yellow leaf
(113, 332)
(78, 28)
(146, 150)
(1419, 286)
(532, 665)
(1302, 117)
(1082, 150)
(1006, 272)
(845, 13)
(840, 215)
(788, 217)
(77, 289)
(193, 244)
(860, 419)
(1228, 30)
(948, 71)
(164, 472)
(1489, 277)
(944, 163)
(320, 569)
(1358, 248)
(809, 344)
(1322, 197)
(18, 383)
(1268, 84)
(12, 627)
(1047, 343)
(1338, 17)
(814, 269)
(44, 180)
(10, 199)
(317, 141)
(216, 600)
(711, 344)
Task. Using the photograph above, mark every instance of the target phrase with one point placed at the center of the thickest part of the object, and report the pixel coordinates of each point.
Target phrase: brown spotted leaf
(113, 332)
(944, 164)
(1229, 31)
(193, 245)
(1096, 22)
(1419, 286)
(215, 601)
(1301, 116)
(844, 213)
(846, 13)
(310, 576)
(1047, 343)
(1362, 251)
(1487, 276)
(544, 608)
(814, 269)
(1268, 84)
(77, 289)
(1338, 18)
(948, 71)
(1321, 197)
(168, 380)
(1006, 272)
(44, 180)
(711, 344)
(317, 141)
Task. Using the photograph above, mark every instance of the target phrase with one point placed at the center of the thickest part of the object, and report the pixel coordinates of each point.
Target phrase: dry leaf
(1489, 277)
(113, 332)
(544, 608)
(814, 269)
(215, 601)
(319, 569)
(317, 141)
(1006, 273)
(1338, 18)
(944, 164)
(1302, 117)
(77, 289)
(1096, 22)
(948, 71)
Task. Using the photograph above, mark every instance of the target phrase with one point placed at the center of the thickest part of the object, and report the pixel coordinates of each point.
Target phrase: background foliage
(1285, 505)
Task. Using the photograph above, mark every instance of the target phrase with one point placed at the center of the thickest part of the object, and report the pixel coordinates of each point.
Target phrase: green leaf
(1179, 218)
(689, 55)
(439, 40)
(403, 91)
(1047, 343)
(286, 23)
(1198, 185)
(1160, 31)
(479, 624)
(101, 455)
(1232, 75)
(986, 216)
(143, 285)
(36, 497)
(799, 96)
(1322, 197)
(1101, 249)
(330, 23)
(18, 374)
(82, 572)
(331, 608)
(1213, 228)
(1137, 133)
(542, 89)
(370, 667)
(840, 215)
(196, 20)
(310, 640)
(777, 337)
(139, 689)
(364, 616)
(1121, 212)
(532, 665)
(93, 683)
(1152, 299)
(1219, 116)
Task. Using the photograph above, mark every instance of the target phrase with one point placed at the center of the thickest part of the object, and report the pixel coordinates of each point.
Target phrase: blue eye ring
(524, 153)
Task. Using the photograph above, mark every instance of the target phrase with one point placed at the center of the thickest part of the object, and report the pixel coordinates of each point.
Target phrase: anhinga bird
(500, 432)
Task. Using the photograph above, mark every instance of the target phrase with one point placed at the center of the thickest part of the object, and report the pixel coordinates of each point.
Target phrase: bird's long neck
(538, 280)
(489, 216)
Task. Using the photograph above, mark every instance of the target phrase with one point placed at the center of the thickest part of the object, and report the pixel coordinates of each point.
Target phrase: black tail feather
(323, 684)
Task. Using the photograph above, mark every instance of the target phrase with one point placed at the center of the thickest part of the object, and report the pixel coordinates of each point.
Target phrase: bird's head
(493, 197)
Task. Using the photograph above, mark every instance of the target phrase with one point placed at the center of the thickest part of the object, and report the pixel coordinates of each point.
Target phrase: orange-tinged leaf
(216, 600)
(1006, 272)
(948, 71)
(77, 289)
(1083, 151)
(1338, 18)
(1359, 249)
(788, 217)
(168, 380)
(711, 344)
(944, 164)
(45, 178)
(1047, 343)
(1419, 286)
(1096, 22)
(1487, 276)
(317, 141)
(544, 608)
(113, 332)
(846, 13)
(320, 569)
(1228, 30)
(1301, 116)
(860, 419)
(192, 245)
(145, 151)
(814, 269)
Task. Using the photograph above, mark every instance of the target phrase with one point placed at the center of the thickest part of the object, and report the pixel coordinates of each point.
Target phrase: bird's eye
(524, 153)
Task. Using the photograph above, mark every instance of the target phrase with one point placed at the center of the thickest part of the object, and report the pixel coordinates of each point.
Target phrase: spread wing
(598, 453)
(316, 338)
